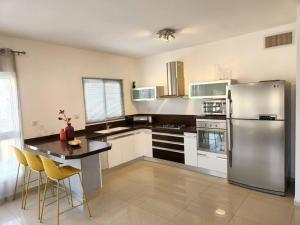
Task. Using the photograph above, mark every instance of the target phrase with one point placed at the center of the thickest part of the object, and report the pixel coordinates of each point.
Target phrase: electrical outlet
(34, 123)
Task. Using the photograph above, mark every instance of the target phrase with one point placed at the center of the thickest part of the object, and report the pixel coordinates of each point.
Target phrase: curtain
(10, 126)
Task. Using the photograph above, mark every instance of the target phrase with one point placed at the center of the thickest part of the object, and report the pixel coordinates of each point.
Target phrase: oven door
(211, 140)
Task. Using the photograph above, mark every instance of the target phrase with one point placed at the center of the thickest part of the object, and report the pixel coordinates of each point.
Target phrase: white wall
(50, 79)
(297, 144)
(242, 58)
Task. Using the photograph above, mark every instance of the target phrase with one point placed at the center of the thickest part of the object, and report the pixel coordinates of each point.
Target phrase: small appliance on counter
(142, 119)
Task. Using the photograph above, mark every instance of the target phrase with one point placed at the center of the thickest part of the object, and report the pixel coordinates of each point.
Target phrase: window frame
(122, 97)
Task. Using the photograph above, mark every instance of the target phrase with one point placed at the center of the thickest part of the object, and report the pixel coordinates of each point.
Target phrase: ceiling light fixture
(166, 34)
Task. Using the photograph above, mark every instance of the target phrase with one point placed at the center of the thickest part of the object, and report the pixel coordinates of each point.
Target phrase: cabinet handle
(219, 157)
(121, 136)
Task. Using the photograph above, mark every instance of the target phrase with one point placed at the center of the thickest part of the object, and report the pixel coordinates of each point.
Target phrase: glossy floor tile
(146, 193)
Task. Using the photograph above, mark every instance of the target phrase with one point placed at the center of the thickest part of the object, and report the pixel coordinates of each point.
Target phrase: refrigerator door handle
(228, 104)
(229, 127)
(229, 141)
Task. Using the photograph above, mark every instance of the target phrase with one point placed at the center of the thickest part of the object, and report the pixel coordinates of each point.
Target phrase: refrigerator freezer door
(257, 154)
(248, 101)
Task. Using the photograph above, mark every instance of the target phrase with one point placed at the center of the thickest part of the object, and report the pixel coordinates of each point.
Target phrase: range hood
(175, 80)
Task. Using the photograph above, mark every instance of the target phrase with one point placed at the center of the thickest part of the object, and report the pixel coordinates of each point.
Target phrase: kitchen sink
(115, 129)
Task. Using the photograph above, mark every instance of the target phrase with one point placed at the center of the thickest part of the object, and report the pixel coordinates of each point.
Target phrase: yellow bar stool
(22, 162)
(57, 174)
(35, 165)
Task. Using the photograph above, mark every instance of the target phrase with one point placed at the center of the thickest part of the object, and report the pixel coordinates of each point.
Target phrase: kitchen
(164, 139)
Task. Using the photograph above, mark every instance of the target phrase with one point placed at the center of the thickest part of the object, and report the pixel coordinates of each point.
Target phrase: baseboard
(187, 167)
(296, 202)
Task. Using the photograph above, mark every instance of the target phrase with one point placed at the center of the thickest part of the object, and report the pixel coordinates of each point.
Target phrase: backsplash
(180, 106)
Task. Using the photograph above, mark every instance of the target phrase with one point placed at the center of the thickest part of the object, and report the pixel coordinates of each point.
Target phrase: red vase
(62, 135)
(70, 133)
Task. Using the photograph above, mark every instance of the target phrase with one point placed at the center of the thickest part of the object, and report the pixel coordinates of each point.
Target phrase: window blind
(103, 99)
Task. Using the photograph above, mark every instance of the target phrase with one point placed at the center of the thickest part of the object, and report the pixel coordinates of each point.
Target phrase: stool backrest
(20, 156)
(34, 161)
(51, 169)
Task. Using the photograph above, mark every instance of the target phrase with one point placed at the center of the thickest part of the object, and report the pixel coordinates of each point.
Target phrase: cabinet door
(139, 144)
(190, 149)
(148, 143)
(213, 163)
(129, 151)
(115, 157)
(215, 89)
(143, 94)
(143, 143)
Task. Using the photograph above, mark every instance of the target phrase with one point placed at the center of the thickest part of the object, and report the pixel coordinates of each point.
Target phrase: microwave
(214, 107)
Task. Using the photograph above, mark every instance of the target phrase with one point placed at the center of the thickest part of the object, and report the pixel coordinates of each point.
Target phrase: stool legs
(84, 196)
(67, 194)
(44, 196)
(39, 195)
(26, 191)
(16, 182)
(23, 187)
(57, 200)
(72, 204)
(23, 184)
(57, 197)
(39, 192)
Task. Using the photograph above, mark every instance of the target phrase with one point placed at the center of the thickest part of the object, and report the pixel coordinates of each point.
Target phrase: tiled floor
(145, 193)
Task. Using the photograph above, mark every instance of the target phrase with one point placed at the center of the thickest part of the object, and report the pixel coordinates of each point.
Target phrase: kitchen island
(84, 157)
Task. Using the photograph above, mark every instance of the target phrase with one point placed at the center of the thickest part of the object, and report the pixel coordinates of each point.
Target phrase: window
(10, 132)
(103, 99)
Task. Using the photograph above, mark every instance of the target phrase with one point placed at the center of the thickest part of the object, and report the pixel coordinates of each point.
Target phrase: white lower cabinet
(129, 146)
(190, 149)
(115, 155)
(212, 161)
(144, 143)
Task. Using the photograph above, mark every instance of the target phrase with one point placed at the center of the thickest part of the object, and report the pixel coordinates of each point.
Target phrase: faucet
(107, 125)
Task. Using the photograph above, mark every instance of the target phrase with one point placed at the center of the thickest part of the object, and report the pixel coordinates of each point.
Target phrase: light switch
(76, 116)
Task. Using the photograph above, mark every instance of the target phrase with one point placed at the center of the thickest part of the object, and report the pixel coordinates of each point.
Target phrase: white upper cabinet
(147, 93)
(214, 89)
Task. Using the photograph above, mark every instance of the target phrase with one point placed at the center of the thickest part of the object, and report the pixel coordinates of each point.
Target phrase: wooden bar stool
(22, 162)
(57, 174)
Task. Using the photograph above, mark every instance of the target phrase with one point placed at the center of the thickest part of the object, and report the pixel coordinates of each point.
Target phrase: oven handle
(211, 129)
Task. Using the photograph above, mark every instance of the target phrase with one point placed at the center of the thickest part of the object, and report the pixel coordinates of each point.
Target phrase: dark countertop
(154, 128)
(91, 143)
(63, 150)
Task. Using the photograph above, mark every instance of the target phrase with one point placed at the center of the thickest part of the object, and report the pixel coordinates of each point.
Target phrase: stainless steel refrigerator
(256, 128)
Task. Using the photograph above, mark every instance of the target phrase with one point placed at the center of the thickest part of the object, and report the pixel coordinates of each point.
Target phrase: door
(211, 140)
(256, 155)
(248, 101)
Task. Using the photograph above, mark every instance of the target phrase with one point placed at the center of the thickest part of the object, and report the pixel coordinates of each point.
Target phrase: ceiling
(129, 27)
